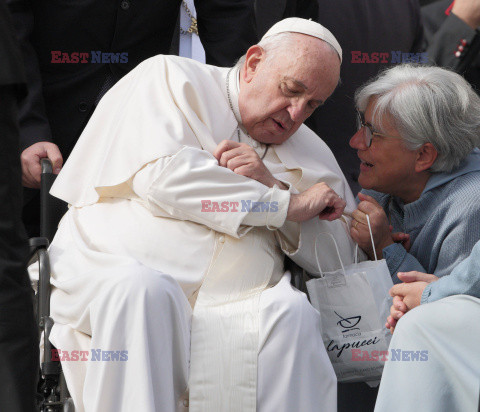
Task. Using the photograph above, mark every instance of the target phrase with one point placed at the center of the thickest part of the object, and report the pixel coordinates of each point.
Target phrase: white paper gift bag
(354, 304)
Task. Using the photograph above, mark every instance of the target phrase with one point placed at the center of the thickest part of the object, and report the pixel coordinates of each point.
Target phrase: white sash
(224, 351)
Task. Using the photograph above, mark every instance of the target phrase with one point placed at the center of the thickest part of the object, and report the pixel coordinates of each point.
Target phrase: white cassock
(135, 253)
(448, 379)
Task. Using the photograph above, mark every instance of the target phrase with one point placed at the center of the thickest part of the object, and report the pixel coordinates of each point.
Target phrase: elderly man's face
(276, 97)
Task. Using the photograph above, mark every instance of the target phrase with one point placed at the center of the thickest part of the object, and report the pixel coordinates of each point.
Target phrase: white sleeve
(190, 185)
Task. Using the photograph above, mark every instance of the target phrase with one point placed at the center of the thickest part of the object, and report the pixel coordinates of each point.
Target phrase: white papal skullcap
(310, 27)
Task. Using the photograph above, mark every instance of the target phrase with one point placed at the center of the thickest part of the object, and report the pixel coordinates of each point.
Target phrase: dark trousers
(356, 397)
(18, 334)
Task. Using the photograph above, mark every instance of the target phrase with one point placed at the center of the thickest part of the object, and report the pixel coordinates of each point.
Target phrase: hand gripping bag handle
(338, 253)
(371, 238)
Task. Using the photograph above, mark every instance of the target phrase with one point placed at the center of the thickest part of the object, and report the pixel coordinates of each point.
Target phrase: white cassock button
(222, 239)
(185, 403)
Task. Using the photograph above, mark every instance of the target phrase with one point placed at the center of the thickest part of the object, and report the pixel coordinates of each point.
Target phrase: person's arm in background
(35, 134)
(444, 34)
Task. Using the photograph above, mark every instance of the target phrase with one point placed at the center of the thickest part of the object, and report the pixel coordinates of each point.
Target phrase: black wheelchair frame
(52, 393)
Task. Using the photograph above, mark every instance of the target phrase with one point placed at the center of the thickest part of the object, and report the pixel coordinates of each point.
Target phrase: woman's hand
(407, 295)
(382, 236)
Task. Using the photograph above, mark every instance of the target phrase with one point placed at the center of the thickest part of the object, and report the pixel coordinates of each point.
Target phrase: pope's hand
(243, 160)
(320, 200)
(31, 162)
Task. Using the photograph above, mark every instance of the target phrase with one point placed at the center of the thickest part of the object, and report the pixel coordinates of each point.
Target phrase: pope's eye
(289, 90)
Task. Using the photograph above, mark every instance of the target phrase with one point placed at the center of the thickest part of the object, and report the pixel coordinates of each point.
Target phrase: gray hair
(427, 104)
(274, 45)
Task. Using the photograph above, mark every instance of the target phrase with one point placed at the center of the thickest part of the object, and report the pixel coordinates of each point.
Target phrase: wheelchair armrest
(49, 365)
(38, 246)
(43, 286)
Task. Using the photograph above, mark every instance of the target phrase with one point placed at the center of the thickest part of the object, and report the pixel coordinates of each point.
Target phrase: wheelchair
(52, 392)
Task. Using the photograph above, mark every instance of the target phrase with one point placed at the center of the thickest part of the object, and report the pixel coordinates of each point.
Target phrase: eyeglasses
(368, 131)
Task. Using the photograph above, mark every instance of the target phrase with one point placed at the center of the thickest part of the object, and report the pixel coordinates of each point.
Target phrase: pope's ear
(255, 55)
(426, 157)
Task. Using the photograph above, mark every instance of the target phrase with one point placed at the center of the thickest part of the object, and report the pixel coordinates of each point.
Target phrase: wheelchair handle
(46, 165)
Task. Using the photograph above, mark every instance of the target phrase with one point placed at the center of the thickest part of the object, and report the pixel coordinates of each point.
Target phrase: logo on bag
(348, 324)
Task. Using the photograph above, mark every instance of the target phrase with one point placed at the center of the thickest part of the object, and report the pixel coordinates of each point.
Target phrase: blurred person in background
(67, 52)
(268, 12)
(452, 37)
(18, 334)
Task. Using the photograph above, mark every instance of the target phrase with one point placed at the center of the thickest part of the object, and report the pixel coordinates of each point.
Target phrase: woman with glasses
(420, 173)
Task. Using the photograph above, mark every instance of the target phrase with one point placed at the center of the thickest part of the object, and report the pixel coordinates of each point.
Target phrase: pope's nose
(297, 112)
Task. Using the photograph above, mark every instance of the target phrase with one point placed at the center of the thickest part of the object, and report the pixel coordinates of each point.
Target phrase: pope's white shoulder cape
(167, 103)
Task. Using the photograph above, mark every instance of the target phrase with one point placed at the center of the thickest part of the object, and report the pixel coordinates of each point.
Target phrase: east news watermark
(392, 57)
(94, 56)
(210, 206)
(394, 355)
(93, 355)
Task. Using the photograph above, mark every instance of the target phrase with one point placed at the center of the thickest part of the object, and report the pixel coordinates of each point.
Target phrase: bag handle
(316, 253)
(371, 238)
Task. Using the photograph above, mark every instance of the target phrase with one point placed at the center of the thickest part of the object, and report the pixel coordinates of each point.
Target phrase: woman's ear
(255, 55)
(426, 157)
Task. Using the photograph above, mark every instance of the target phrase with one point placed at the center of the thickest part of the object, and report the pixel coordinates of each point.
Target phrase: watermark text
(395, 355)
(94, 56)
(94, 355)
(393, 57)
(242, 206)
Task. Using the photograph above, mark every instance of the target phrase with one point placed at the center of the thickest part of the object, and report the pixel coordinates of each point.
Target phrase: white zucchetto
(303, 26)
